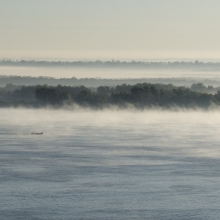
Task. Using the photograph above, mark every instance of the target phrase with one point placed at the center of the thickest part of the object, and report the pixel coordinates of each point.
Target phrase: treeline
(95, 82)
(142, 95)
(198, 87)
(196, 65)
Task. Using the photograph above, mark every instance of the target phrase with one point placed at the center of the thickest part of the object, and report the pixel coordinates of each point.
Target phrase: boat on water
(37, 133)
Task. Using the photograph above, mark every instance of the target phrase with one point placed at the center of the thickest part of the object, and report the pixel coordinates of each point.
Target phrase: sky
(104, 29)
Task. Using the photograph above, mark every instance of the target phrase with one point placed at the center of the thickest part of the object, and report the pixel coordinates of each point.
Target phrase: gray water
(109, 164)
(104, 73)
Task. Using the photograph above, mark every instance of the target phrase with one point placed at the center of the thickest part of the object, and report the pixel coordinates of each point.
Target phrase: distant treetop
(195, 65)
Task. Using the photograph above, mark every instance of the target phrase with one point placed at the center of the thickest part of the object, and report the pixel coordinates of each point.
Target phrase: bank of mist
(152, 132)
(109, 73)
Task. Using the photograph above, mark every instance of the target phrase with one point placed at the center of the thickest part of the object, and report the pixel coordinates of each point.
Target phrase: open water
(103, 73)
(109, 164)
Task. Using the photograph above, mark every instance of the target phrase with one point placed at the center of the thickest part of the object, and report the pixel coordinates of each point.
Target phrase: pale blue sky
(110, 29)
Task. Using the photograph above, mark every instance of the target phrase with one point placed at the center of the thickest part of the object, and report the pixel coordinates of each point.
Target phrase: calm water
(103, 73)
(109, 164)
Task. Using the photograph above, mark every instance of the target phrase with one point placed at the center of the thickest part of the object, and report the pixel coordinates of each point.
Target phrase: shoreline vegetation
(96, 82)
(140, 96)
(152, 65)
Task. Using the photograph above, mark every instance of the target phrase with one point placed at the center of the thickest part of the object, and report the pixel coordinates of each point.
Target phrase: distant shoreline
(140, 96)
(154, 65)
(97, 81)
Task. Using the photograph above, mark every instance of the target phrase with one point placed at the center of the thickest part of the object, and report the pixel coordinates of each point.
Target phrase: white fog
(92, 164)
(109, 110)
(102, 73)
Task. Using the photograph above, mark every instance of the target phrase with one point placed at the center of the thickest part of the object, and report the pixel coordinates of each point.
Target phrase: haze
(109, 164)
(97, 29)
(100, 138)
(102, 73)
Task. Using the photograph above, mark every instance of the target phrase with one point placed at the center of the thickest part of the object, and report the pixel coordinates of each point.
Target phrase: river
(109, 164)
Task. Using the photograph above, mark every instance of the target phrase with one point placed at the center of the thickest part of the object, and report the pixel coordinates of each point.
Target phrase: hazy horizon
(109, 140)
(99, 29)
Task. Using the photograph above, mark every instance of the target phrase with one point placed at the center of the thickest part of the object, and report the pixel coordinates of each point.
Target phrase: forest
(140, 95)
(185, 65)
(96, 82)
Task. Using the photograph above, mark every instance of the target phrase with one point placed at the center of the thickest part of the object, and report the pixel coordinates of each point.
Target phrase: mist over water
(102, 73)
(109, 164)
(109, 110)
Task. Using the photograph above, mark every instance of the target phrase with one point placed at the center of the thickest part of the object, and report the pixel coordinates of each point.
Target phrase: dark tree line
(196, 65)
(11, 82)
(141, 95)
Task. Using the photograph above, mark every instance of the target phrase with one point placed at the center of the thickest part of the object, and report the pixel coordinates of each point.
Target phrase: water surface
(111, 73)
(109, 164)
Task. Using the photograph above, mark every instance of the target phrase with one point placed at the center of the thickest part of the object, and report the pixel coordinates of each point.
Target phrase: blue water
(109, 165)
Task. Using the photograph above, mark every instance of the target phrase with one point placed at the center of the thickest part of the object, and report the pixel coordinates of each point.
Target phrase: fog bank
(96, 163)
(174, 127)
(103, 73)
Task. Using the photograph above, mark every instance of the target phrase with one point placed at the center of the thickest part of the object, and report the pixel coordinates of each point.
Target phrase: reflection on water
(109, 164)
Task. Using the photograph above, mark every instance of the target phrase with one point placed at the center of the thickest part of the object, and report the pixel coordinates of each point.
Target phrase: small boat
(37, 133)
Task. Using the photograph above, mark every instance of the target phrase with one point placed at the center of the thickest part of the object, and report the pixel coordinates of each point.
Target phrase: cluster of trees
(115, 64)
(140, 95)
(95, 82)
